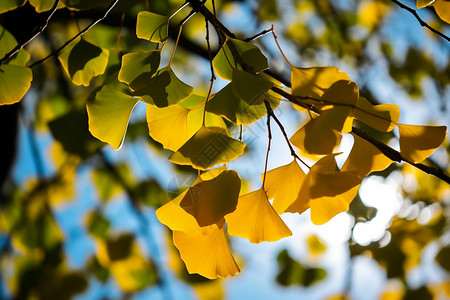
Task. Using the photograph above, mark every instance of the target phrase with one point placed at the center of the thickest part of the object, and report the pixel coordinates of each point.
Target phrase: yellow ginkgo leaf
(14, 83)
(321, 135)
(365, 158)
(109, 113)
(312, 82)
(341, 92)
(208, 147)
(442, 8)
(331, 193)
(418, 142)
(424, 3)
(256, 220)
(175, 217)
(206, 251)
(327, 165)
(382, 117)
(283, 185)
(210, 200)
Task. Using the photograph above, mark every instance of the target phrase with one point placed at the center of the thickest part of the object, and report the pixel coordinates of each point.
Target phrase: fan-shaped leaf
(442, 8)
(341, 92)
(14, 83)
(418, 142)
(313, 82)
(283, 185)
(109, 113)
(256, 220)
(206, 251)
(7, 5)
(152, 27)
(207, 148)
(42, 5)
(138, 67)
(164, 89)
(365, 158)
(84, 61)
(250, 88)
(383, 117)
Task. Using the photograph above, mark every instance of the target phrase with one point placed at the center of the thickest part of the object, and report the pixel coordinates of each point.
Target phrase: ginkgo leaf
(210, 200)
(256, 220)
(341, 92)
(14, 83)
(164, 89)
(225, 61)
(42, 5)
(249, 87)
(175, 217)
(138, 67)
(184, 123)
(109, 113)
(326, 165)
(365, 158)
(7, 5)
(206, 251)
(313, 82)
(423, 3)
(283, 185)
(84, 61)
(382, 117)
(321, 134)
(208, 147)
(442, 8)
(225, 103)
(152, 27)
(331, 193)
(418, 142)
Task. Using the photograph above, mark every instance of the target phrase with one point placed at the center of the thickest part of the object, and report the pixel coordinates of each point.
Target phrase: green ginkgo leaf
(225, 103)
(42, 5)
(210, 200)
(152, 27)
(208, 147)
(109, 113)
(138, 67)
(249, 87)
(250, 55)
(7, 43)
(164, 89)
(84, 61)
(14, 83)
(7, 5)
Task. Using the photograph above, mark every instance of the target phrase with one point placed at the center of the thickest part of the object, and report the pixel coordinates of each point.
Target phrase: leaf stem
(175, 46)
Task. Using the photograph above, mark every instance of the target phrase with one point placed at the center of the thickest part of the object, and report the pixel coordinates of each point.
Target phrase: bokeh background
(68, 201)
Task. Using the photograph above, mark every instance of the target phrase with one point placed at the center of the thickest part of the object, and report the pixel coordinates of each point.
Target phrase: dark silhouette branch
(421, 22)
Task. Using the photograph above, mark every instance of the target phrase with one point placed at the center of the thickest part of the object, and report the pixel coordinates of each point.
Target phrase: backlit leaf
(109, 114)
(341, 92)
(184, 122)
(164, 89)
(225, 61)
(14, 83)
(139, 67)
(418, 142)
(225, 103)
(152, 27)
(283, 185)
(365, 158)
(84, 61)
(6, 5)
(423, 3)
(442, 8)
(206, 251)
(250, 88)
(382, 117)
(256, 220)
(210, 200)
(313, 82)
(42, 5)
(321, 134)
(207, 148)
(7, 43)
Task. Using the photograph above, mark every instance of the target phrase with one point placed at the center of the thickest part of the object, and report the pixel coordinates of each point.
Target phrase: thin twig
(269, 133)
(86, 29)
(258, 35)
(39, 31)
(422, 22)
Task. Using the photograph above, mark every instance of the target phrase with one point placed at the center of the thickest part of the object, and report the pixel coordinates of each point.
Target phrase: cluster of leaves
(197, 128)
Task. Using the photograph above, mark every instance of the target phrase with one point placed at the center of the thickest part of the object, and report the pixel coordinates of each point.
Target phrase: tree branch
(422, 22)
